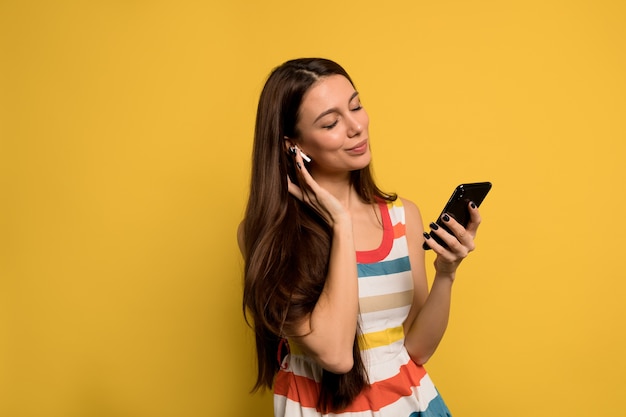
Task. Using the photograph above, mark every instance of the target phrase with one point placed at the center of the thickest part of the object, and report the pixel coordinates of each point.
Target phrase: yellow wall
(125, 142)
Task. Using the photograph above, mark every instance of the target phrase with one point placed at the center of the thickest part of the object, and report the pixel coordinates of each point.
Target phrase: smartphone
(457, 206)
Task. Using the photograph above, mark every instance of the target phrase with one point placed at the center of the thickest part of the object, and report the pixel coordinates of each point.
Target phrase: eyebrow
(334, 109)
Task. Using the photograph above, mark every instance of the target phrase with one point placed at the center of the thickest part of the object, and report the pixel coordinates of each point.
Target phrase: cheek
(329, 141)
(364, 119)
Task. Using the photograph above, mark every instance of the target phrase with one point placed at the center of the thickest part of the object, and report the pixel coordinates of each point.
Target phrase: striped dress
(398, 386)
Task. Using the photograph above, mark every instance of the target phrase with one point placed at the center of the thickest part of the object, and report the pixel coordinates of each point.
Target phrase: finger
(308, 180)
(451, 236)
(452, 253)
(303, 174)
(458, 239)
(305, 196)
(294, 189)
(475, 218)
(302, 168)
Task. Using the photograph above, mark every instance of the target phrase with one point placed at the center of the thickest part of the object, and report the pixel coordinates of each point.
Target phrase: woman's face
(333, 127)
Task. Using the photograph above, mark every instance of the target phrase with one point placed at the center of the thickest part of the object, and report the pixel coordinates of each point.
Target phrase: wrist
(342, 222)
(444, 276)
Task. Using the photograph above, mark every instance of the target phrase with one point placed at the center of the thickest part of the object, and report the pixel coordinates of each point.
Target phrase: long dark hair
(287, 244)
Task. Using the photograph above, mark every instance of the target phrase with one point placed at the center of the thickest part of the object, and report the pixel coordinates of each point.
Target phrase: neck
(340, 187)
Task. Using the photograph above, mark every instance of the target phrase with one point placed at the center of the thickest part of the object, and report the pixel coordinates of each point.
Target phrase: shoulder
(411, 211)
(412, 216)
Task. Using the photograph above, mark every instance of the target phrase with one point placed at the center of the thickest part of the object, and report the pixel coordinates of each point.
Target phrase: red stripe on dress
(380, 253)
(305, 391)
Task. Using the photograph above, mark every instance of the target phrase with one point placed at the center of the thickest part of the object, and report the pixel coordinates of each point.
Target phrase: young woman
(335, 283)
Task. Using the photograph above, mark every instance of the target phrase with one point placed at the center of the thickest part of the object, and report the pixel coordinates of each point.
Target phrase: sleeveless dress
(398, 386)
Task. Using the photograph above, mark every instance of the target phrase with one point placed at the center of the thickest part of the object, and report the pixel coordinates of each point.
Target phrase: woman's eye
(330, 126)
(358, 107)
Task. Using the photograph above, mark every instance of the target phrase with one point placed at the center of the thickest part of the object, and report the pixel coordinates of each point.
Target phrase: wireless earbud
(302, 154)
(305, 156)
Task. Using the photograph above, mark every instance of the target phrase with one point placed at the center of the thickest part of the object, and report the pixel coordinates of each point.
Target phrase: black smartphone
(457, 206)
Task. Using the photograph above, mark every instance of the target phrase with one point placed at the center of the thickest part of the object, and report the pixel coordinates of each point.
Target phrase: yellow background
(126, 131)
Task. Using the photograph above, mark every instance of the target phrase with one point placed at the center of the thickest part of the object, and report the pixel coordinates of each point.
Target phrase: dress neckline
(381, 252)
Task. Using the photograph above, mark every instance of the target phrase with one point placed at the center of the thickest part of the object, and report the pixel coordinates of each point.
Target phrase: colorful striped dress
(398, 386)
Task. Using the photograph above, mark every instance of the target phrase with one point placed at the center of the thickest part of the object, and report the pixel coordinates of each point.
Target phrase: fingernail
(446, 218)
(434, 226)
(298, 165)
(472, 205)
(426, 236)
(292, 150)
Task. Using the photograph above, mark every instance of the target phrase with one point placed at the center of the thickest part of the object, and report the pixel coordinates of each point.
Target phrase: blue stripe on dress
(384, 268)
(436, 408)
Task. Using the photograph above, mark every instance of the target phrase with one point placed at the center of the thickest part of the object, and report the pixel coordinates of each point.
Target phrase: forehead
(328, 92)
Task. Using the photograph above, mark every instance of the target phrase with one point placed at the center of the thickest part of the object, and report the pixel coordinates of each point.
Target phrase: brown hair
(286, 243)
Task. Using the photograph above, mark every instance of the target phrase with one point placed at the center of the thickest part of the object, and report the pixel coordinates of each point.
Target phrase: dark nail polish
(446, 218)
(292, 150)
(298, 165)
(472, 205)
(434, 226)
(426, 236)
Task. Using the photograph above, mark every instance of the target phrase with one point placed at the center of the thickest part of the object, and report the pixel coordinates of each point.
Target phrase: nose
(355, 127)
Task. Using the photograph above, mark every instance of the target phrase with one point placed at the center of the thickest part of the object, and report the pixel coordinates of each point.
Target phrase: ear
(289, 143)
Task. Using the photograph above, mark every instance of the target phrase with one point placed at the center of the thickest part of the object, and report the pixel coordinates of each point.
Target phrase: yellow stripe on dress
(382, 338)
(367, 341)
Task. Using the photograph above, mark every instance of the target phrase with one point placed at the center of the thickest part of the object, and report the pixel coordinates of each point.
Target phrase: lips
(359, 147)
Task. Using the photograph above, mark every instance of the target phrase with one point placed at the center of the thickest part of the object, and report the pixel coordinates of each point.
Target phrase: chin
(367, 156)
(363, 162)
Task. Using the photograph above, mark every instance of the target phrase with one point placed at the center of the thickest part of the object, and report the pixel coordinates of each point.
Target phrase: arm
(428, 318)
(328, 332)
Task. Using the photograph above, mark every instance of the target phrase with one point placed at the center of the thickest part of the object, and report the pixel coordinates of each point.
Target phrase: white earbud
(305, 157)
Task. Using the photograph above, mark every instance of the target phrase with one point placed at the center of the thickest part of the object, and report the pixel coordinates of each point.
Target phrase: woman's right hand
(320, 200)
(328, 333)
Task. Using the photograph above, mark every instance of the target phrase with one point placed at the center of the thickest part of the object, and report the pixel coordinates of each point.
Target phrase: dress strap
(283, 343)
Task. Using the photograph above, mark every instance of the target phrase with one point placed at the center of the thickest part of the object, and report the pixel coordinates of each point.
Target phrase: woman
(335, 282)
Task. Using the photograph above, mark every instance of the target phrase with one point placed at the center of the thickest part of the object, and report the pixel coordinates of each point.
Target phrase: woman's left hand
(460, 243)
